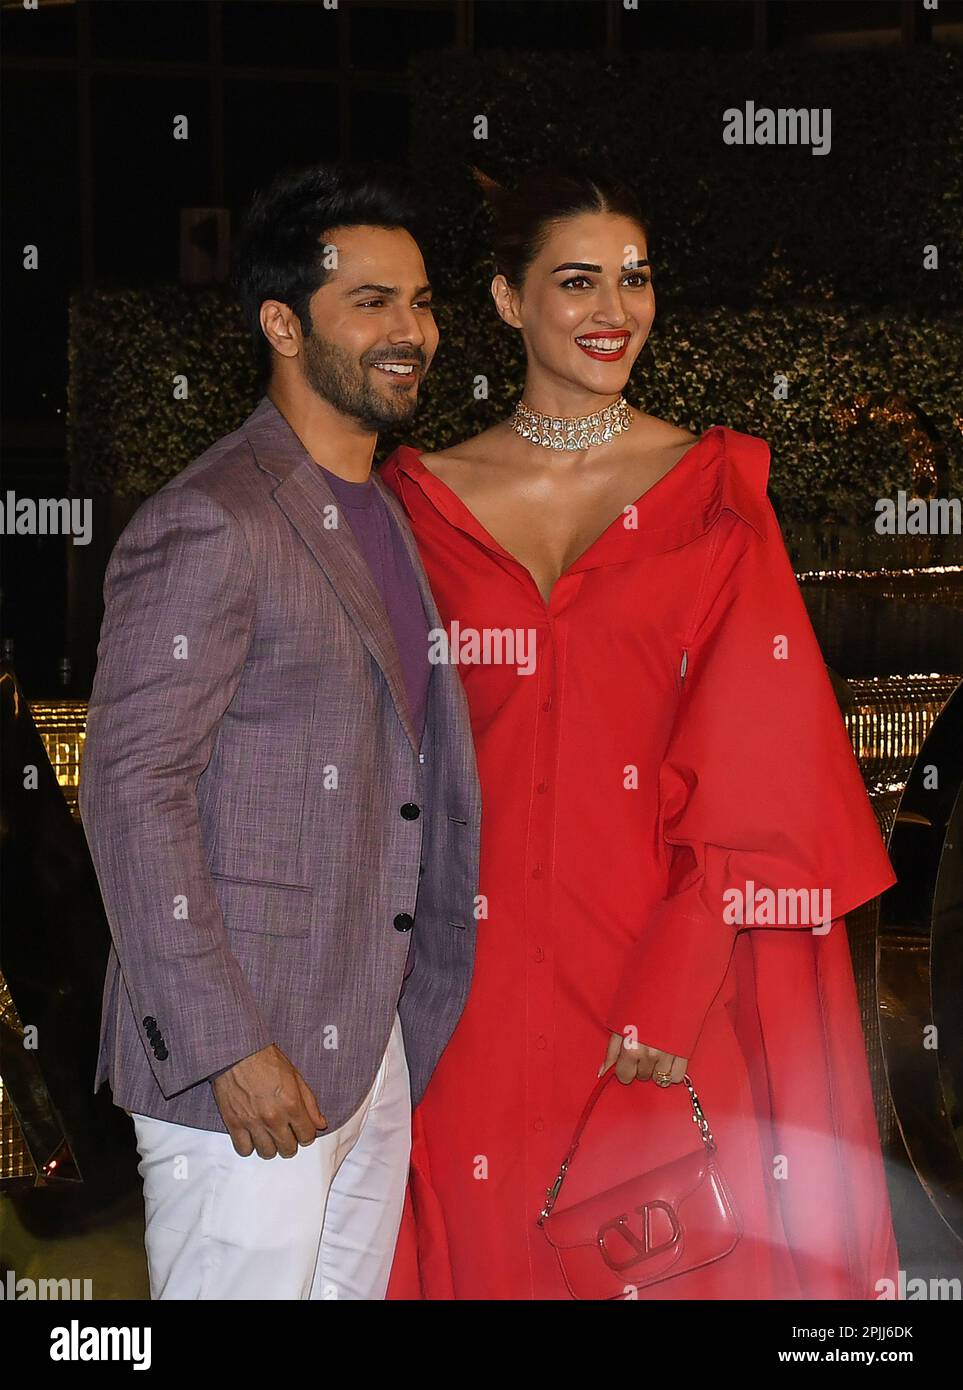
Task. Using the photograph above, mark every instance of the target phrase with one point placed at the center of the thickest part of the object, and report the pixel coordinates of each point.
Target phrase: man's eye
(369, 303)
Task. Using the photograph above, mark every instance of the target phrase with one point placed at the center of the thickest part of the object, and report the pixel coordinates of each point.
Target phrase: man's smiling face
(373, 329)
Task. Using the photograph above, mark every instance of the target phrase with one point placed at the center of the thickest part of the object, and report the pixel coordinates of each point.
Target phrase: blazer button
(404, 921)
(410, 811)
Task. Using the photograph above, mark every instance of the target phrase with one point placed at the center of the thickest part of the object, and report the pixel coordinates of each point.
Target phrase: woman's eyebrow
(583, 265)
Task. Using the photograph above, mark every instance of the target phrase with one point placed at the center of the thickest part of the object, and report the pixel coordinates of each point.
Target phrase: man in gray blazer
(280, 792)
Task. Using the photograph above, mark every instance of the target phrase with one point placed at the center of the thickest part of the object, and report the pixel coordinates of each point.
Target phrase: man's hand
(636, 1061)
(267, 1105)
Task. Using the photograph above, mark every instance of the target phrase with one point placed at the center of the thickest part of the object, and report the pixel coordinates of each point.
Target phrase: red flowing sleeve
(761, 801)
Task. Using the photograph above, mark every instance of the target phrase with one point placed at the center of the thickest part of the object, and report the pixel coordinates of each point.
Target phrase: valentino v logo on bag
(655, 1226)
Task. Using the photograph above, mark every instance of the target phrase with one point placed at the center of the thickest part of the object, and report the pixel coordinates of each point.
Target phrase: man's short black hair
(279, 252)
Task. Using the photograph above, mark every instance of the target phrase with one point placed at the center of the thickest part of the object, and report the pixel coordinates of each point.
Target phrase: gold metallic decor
(923, 446)
(16, 1166)
(888, 719)
(34, 1150)
(62, 724)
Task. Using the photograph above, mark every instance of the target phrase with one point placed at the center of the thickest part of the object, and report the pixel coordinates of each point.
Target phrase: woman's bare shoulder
(662, 434)
(479, 448)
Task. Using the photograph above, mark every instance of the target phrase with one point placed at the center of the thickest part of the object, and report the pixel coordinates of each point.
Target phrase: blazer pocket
(261, 906)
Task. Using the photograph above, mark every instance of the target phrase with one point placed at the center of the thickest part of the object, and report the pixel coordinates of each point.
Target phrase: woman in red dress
(658, 743)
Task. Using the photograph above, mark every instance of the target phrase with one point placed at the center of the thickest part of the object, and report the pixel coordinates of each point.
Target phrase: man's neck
(335, 441)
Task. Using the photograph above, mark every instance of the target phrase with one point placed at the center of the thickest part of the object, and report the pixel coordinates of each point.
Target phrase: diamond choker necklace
(559, 432)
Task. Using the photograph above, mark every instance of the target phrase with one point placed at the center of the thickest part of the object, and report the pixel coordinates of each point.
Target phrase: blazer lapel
(303, 495)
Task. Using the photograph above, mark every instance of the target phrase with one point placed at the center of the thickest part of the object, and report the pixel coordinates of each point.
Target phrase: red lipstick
(616, 341)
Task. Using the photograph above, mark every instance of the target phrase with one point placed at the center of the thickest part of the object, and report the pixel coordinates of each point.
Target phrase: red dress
(677, 737)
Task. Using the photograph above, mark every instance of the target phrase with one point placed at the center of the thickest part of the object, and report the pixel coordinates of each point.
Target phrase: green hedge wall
(767, 261)
(705, 367)
(127, 434)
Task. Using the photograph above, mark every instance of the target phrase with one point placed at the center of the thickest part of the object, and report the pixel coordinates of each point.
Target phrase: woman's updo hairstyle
(523, 217)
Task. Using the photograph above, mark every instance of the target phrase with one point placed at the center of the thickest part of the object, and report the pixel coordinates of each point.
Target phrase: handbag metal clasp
(641, 1250)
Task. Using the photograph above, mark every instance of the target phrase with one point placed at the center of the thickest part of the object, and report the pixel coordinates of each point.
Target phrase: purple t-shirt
(381, 543)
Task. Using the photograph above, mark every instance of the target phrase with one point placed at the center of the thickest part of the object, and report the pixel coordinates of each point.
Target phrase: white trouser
(321, 1224)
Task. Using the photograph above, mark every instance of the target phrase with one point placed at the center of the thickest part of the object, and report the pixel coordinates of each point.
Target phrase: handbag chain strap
(698, 1118)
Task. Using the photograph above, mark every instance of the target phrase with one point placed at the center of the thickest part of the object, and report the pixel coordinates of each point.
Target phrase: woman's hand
(634, 1061)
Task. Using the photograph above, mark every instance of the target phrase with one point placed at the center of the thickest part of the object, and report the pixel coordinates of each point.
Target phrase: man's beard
(343, 383)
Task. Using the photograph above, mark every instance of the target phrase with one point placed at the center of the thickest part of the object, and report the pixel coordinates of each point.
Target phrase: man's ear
(506, 301)
(282, 327)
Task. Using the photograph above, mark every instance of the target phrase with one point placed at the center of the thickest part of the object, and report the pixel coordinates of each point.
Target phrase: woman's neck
(564, 400)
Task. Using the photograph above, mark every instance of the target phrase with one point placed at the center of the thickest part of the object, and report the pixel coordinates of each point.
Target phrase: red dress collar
(723, 470)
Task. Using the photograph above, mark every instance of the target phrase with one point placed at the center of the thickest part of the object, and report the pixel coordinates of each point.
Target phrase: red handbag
(655, 1226)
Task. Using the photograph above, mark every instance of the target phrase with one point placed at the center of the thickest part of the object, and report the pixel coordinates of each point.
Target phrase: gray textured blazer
(249, 751)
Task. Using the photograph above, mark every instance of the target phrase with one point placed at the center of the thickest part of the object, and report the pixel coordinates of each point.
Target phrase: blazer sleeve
(758, 790)
(178, 622)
